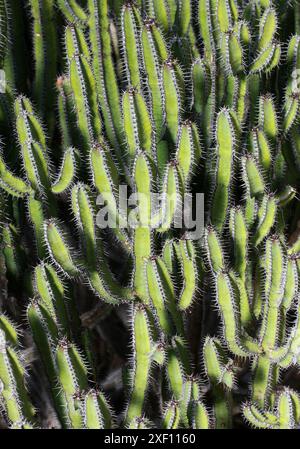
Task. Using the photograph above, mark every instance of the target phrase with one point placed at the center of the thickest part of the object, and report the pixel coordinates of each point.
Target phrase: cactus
(123, 113)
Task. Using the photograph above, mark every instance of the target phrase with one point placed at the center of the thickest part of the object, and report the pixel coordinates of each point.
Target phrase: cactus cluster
(142, 325)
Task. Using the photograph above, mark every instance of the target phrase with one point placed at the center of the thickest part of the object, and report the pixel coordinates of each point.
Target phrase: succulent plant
(114, 116)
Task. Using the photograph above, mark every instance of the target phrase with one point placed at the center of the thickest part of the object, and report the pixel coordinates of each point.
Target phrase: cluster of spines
(15, 402)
